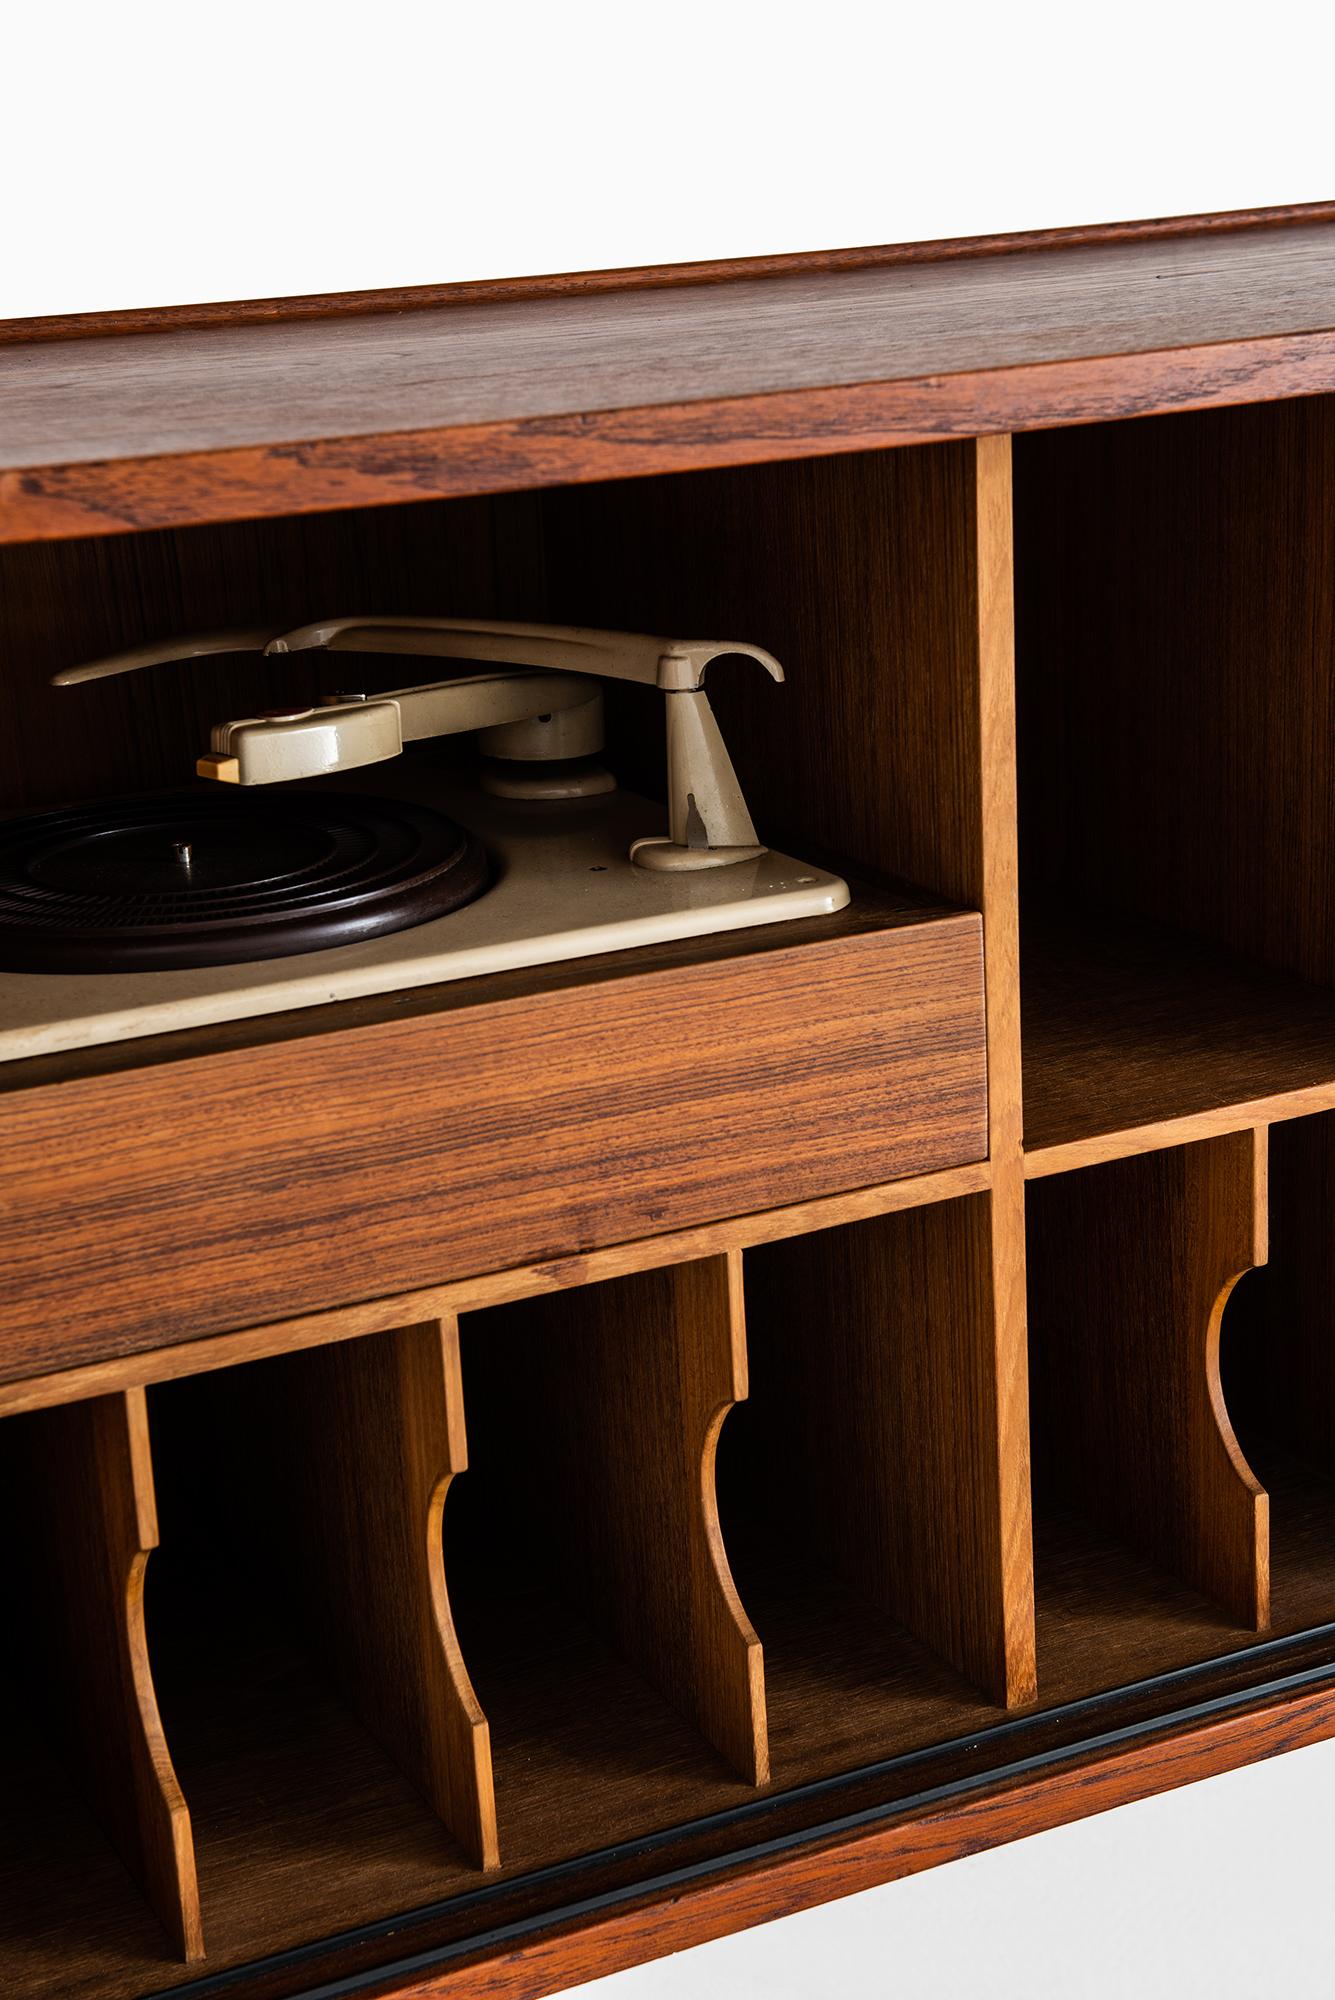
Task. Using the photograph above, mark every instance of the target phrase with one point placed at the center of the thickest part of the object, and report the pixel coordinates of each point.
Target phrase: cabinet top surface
(534, 378)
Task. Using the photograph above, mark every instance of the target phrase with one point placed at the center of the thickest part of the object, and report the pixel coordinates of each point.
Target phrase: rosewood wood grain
(85, 1479)
(1130, 1268)
(364, 1440)
(268, 1181)
(226, 1350)
(155, 429)
(876, 1403)
(1176, 611)
(125, 397)
(265, 482)
(608, 1401)
(994, 868)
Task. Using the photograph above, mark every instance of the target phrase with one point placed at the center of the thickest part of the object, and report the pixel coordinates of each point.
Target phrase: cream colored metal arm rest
(551, 711)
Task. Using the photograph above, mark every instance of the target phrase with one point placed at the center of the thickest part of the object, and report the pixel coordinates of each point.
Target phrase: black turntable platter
(219, 878)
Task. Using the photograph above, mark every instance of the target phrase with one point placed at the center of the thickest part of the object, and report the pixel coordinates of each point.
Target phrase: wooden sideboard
(514, 1478)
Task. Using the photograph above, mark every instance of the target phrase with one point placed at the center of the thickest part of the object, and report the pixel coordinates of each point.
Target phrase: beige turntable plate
(564, 889)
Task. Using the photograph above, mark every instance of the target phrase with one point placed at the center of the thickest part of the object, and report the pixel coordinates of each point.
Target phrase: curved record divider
(92, 1520)
(617, 1393)
(1130, 1267)
(372, 1433)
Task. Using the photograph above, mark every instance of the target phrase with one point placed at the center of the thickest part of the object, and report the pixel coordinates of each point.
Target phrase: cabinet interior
(1175, 612)
(510, 1597)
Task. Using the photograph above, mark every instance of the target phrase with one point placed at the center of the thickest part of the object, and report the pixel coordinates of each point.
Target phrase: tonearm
(543, 703)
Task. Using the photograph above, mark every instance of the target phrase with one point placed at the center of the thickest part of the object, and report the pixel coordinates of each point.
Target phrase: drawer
(158, 1191)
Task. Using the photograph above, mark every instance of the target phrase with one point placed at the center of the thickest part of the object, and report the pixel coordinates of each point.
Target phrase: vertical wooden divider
(372, 1433)
(992, 877)
(91, 1517)
(1133, 1268)
(619, 1392)
(883, 581)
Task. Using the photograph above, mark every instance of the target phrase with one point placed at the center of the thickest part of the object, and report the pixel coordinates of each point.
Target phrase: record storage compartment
(1176, 666)
(394, 1572)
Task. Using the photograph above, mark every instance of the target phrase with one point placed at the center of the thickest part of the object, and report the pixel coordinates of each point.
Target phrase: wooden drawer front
(162, 1202)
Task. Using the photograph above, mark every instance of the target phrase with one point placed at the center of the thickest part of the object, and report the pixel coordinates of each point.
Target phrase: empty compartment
(873, 1494)
(621, 1678)
(323, 1723)
(1278, 1356)
(1150, 1527)
(96, 1831)
(1175, 629)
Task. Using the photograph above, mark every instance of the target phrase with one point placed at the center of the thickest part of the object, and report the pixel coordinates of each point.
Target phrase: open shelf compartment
(94, 1812)
(1175, 614)
(1151, 1531)
(867, 1495)
(1181, 1378)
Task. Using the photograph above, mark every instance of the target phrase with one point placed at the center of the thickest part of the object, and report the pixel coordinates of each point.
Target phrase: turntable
(281, 883)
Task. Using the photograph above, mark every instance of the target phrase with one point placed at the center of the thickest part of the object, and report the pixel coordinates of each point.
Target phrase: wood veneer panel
(150, 428)
(80, 600)
(1177, 703)
(608, 1400)
(367, 1436)
(264, 481)
(585, 1109)
(256, 1343)
(876, 1402)
(1130, 1267)
(996, 870)
(84, 1479)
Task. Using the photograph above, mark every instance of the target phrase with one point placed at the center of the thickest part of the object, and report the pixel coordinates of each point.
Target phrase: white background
(169, 154)
(172, 153)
